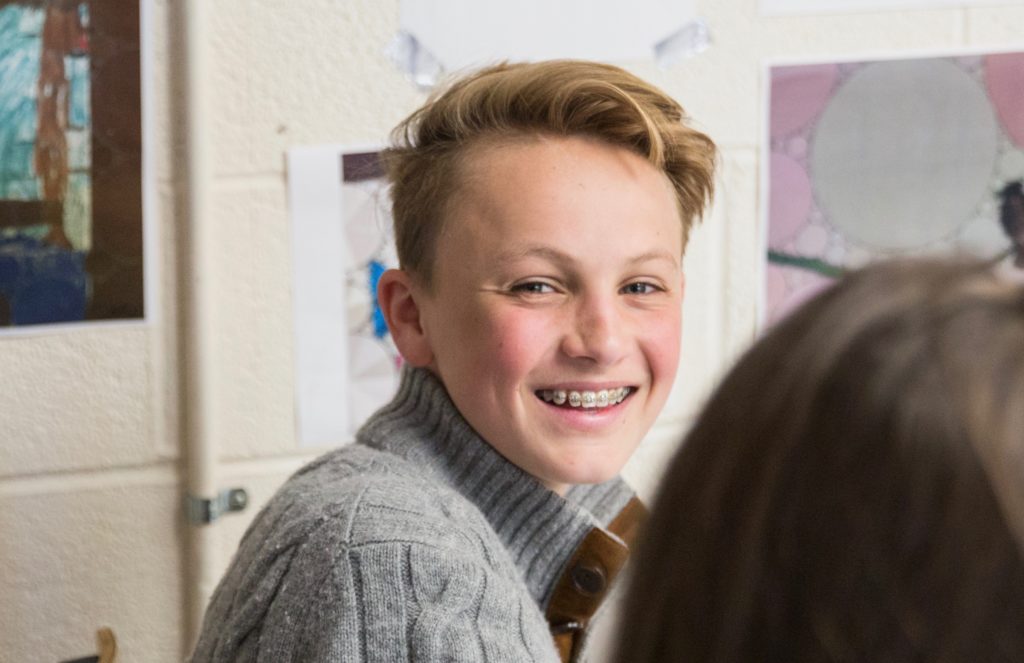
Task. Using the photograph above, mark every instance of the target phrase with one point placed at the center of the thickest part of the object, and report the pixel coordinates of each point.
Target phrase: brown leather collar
(585, 581)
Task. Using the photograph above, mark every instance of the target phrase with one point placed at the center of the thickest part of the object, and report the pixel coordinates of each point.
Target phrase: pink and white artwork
(875, 159)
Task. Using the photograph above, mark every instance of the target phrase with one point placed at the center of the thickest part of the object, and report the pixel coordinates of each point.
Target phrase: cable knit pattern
(417, 543)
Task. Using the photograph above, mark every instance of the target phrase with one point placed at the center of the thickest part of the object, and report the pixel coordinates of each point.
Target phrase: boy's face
(558, 276)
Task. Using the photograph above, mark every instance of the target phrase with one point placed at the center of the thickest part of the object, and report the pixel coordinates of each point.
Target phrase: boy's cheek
(661, 342)
(662, 320)
(519, 341)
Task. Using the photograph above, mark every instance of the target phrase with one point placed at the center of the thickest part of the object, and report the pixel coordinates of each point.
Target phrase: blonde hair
(515, 101)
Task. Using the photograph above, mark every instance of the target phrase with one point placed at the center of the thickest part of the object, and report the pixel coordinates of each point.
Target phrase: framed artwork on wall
(876, 159)
(71, 181)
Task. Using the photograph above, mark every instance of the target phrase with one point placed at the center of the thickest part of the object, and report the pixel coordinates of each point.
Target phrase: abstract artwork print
(70, 162)
(875, 159)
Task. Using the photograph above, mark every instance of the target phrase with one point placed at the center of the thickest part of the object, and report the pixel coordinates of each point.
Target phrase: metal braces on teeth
(586, 399)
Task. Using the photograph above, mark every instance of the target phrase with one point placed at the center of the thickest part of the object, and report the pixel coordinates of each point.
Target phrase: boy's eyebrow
(533, 251)
(554, 255)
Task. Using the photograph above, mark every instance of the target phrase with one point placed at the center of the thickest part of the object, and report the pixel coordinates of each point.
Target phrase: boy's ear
(397, 301)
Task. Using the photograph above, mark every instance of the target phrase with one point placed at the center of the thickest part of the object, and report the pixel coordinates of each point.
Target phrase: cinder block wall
(91, 529)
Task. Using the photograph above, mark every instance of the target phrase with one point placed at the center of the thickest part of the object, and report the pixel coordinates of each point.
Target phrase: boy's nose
(596, 332)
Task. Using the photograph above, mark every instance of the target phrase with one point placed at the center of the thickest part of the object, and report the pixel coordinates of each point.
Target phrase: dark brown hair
(517, 101)
(854, 490)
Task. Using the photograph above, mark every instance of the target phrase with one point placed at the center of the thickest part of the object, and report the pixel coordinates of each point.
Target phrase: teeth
(586, 399)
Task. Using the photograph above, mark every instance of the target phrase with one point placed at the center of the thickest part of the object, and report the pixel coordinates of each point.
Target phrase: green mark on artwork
(800, 262)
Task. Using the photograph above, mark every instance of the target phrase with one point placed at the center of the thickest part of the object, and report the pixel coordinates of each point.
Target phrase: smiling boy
(541, 213)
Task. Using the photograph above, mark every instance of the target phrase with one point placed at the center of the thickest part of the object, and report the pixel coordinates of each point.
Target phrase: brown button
(588, 579)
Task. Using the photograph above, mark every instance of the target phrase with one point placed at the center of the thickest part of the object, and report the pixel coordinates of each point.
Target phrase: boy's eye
(533, 288)
(640, 288)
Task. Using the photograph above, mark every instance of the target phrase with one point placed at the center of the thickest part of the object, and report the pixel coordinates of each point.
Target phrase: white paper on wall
(345, 363)
(314, 194)
(451, 35)
(779, 7)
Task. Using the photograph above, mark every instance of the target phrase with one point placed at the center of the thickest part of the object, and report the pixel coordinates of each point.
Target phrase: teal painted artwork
(70, 163)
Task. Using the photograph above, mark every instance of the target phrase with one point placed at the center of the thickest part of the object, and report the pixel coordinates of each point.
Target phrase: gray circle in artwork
(904, 153)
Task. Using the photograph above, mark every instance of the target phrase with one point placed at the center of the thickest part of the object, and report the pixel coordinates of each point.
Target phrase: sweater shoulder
(361, 551)
(358, 496)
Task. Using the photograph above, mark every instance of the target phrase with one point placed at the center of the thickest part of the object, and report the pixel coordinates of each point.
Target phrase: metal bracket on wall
(201, 511)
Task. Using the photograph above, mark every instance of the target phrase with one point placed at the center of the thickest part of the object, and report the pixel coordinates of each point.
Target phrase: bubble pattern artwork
(887, 158)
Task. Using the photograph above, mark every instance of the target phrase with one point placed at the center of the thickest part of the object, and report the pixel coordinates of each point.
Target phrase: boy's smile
(554, 314)
(586, 399)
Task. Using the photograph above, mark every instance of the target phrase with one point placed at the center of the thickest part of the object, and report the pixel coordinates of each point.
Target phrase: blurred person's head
(541, 212)
(854, 489)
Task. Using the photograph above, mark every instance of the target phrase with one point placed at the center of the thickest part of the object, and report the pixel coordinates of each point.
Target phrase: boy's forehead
(490, 162)
(487, 153)
(527, 163)
(535, 189)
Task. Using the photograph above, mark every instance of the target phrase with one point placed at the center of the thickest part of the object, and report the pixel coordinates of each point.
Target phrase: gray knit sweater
(417, 543)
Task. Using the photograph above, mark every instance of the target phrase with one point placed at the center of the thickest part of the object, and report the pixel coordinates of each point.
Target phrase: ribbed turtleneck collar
(539, 528)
